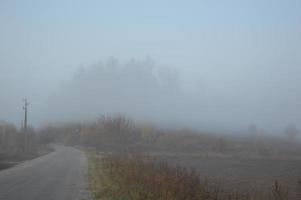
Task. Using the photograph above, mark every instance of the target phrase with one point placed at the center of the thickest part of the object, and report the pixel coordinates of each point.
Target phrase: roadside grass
(95, 174)
(137, 177)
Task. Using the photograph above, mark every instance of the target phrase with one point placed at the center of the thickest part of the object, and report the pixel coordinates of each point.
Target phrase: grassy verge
(95, 174)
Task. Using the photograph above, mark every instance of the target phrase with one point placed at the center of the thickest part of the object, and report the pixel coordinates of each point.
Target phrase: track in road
(59, 175)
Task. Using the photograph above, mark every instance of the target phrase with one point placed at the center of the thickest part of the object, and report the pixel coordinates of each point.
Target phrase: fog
(201, 64)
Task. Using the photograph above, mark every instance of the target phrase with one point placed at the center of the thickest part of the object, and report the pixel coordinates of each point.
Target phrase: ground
(244, 173)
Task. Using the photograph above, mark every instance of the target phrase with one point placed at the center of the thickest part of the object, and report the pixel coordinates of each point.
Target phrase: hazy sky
(246, 55)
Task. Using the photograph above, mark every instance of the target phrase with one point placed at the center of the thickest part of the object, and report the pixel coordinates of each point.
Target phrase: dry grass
(279, 192)
(137, 177)
(140, 177)
(121, 134)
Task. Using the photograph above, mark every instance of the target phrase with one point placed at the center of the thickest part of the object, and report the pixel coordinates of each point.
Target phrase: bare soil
(244, 174)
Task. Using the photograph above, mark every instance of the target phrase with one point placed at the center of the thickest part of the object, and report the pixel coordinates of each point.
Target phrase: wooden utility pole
(26, 136)
(26, 104)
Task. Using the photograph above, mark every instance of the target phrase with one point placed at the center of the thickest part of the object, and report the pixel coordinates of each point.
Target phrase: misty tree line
(139, 89)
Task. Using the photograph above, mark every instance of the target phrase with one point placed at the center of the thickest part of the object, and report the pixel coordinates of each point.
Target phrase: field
(244, 174)
(149, 163)
(193, 177)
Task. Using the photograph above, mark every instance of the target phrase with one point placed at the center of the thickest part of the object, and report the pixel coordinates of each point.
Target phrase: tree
(252, 130)
(291, 131)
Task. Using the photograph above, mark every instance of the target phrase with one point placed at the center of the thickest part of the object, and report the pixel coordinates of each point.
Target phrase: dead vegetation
(19, 145)
(138, 177)
(122, 134)
(14, 141)
(132, 166)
